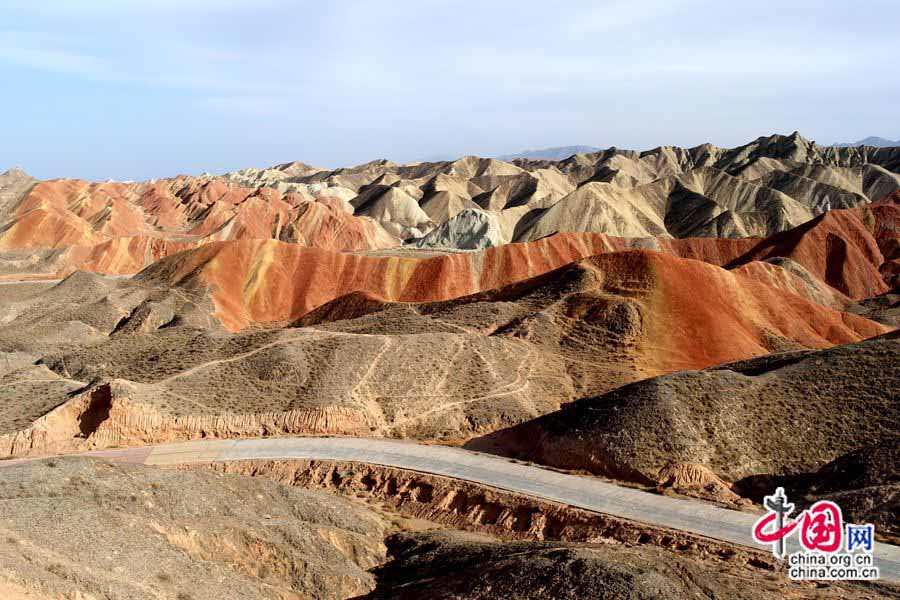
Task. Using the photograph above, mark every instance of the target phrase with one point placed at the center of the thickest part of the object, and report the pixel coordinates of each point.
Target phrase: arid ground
(705, 322)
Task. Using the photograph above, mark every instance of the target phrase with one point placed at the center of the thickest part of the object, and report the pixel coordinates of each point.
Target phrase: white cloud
(54, 60)
(437, 74)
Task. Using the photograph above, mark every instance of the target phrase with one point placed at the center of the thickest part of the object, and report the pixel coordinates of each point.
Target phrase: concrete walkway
(582, 492)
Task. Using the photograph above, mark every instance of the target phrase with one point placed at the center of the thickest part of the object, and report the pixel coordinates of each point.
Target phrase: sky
(135, 89)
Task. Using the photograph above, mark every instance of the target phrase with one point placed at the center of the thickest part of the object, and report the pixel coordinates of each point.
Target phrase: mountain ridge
(873, 140)
(552, 153)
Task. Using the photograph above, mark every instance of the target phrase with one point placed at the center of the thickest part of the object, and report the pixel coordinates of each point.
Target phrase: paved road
(20, 281)
(582, 492)
(55, 281)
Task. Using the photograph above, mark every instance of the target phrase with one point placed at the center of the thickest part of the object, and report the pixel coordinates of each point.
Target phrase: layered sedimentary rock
(266, 281)
(461, 504)
(445, 369)
(469, 229)
(394, 300)
(836, 247)
(119, 228)
(755, 190)
(255, 281)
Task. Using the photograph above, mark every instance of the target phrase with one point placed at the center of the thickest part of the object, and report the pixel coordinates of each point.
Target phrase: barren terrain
(709, 321)
(87, 529)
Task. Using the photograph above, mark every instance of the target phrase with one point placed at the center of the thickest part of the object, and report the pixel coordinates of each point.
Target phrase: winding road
(581, 492)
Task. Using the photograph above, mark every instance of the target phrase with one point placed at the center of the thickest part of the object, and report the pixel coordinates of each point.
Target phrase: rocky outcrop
(14, 184)
(396, 211)
(696, 480)
(470, 229)
(837, 247)
(105, 416)
(463, 505)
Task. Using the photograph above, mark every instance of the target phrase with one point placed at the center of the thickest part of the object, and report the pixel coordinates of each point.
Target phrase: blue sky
(132, 89)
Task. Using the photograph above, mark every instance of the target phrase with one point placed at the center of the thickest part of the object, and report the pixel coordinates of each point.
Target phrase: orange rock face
(119, 228)
(262, 281)
(715, 251)
(71, 212)
(884, 219)
(273, 257)
(837, 247)
(119, 256)
(699, 314)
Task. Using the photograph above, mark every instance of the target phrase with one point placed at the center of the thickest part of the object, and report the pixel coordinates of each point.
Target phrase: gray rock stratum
(470, 229)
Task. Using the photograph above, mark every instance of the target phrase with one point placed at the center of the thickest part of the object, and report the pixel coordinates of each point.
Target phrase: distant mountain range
(557, 153)
(878, 142)
(563, 152)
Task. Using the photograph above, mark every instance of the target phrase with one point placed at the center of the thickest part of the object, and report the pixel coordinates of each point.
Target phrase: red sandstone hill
(120, 228)
(141, 222)
(693, 314)
(260, 281)
(699, 315)
(436, 370)
(884, 219)
(836, 246)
